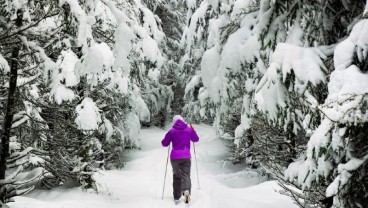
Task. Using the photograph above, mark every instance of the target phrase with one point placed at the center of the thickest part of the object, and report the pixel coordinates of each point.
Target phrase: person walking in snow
(180, 136)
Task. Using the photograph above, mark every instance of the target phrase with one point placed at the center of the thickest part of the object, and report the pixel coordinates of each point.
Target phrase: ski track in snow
(139, 184)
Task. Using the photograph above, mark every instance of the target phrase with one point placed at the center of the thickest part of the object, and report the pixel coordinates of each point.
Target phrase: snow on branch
(209, 68)
(271, 93)
(191, 4)
(150, 25)
(19, 122)
(88, 115)
(84, 27)
(4, 64)
(97, 58)
(328, 154)
(60, 93)
(193, 82)
(195, 28)
(306, 63)
(141, 107)
(348, 86)
(119, 15)
(10, 178)
(66, 63)
(21, 81)
(356, 43)
(123, 45)
(48, 64)
(344, 175)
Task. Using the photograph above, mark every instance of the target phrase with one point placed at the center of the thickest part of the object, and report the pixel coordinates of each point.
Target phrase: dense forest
(283, 82)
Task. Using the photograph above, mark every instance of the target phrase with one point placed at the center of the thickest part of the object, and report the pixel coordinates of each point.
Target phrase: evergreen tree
(194, 41)
(85, 68)
(265, 67)
(336, 156)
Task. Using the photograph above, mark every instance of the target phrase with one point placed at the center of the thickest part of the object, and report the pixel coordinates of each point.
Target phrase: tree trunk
(10, 109)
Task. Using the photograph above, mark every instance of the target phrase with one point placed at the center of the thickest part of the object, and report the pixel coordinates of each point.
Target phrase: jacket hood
(179, 124)
(177, 117)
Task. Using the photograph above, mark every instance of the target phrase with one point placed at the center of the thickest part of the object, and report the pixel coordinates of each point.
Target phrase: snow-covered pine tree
(292, 84)
(230, 65)
(336, 157)
(237, 55)
(241, 64)
(89, 64)
(16, 78)
(114, 79)
(194, 41)
(271, 48)
(293, 110)
(172, 16)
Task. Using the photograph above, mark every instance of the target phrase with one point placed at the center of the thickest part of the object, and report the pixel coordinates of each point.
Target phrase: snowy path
(139, 184)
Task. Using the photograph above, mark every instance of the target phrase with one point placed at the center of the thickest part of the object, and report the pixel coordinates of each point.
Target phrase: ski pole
(167, 161)
(195, 156)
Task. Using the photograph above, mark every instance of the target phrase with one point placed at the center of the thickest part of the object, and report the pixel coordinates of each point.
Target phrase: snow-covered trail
(140, 183)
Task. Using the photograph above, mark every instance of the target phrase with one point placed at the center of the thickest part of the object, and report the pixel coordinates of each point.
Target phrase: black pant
(181, 182)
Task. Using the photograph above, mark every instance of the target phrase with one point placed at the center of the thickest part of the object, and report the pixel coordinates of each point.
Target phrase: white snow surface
(140, 183)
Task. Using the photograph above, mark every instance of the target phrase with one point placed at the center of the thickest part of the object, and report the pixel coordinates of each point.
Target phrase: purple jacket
(180, 135)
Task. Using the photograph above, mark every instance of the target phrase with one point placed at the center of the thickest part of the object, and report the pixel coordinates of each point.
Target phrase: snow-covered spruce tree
(336, 155)
(234, 60)
(15, 49)
(295, 82)
(275, 55)
(232, 63)
(172, 16)
(292, 84)
(198, 106)
(148, 62)
(89, 61)
(113, 79)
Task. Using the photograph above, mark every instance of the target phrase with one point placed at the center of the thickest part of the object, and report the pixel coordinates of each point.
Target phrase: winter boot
(177, 201)
(186, 196)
